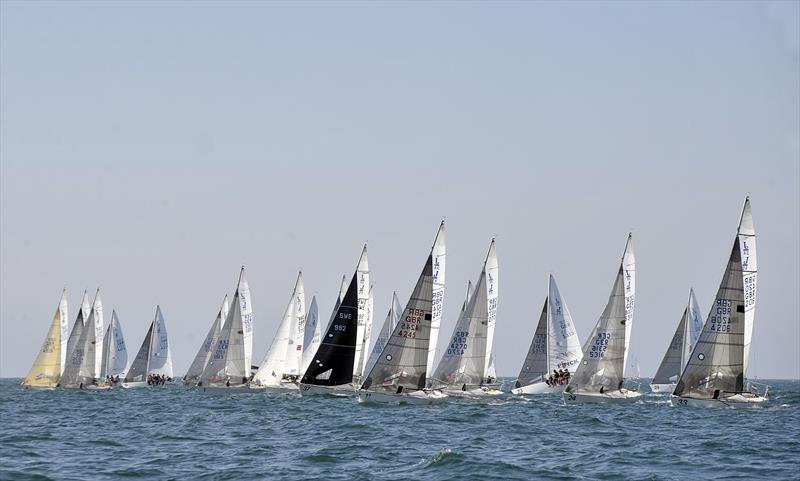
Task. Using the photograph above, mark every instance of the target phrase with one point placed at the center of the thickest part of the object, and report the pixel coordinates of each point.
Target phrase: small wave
(443, 457)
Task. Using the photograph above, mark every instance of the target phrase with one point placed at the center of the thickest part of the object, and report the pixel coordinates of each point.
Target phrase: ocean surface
(183, 434)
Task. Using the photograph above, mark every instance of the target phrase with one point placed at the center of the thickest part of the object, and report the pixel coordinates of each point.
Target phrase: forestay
(718, 362)
(49, 364)
(603, 365)
(204, 353)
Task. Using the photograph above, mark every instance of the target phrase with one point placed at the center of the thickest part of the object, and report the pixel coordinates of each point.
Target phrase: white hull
(241, 388)
(737, 401)
(538, 388)
(287, 387)
(623, 396)
(413, 397)
(343, 390)
(133, 385)
(478, 392)
(663, 388)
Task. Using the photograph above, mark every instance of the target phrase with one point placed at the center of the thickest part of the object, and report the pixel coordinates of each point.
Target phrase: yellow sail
(46, 370)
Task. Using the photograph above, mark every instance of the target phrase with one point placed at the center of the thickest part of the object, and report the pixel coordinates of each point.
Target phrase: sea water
(174, 433)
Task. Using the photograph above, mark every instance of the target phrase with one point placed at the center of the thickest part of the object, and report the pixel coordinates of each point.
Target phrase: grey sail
(716, 364)
(138, 370)
(204, 353)
(227, 364)
(672, 363)
(77, 328)
(402, 364)
(80, 368)
(385, 332)
(535, 368)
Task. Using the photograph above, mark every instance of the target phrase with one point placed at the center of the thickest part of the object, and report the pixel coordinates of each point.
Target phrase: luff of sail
(403, 363)
(204, 353)
(363, 285)
(49, 364)
(717, 365)
(603, 366)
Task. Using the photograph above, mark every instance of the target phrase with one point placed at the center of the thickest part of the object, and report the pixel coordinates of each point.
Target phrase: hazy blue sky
(152, 148)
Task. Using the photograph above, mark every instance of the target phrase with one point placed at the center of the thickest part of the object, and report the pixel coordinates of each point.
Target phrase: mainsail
(603, 365)
(49, 364)
(469, 352)
(535, 367)
(99, 332)
(282, 357)
(137, 372)
(160, 355)
(115, 355)
(392, 318)
(229, 364)
(77, 328)
(204, 354)
(683, 341)
(333, 362)
(437, 304)
(362, 274)
(312, 335)
(365, 339)
(718, 362)
(403, 363)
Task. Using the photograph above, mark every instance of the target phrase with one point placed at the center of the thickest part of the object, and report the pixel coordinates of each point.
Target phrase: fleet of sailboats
(705, 363)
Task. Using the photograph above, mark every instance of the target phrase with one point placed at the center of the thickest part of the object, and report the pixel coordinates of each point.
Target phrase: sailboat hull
(737, 401)
(622, 396)
(134, 385)
(478, 392)
(287, 387)
(663, 388)
(343, 390)
(538, 388)
(242, 388)
(413, 397)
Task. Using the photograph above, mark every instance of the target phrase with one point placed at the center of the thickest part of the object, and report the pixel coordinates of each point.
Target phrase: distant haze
(151, 149)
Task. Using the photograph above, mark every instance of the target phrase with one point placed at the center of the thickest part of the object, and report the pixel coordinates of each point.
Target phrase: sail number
(539, 343)
(750, 291)
(600, 345)
(410, 324)
(436, 303)
(459, 344)
(721, 319)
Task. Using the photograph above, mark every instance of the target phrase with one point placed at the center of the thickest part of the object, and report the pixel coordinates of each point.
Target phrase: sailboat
(680, 348)
(555, 347)
(400, 373)
(392, 318)
(80, 370)
(312, 335)
(228, 369)
(204, 353)
(714, 375)
(464, 367)
(333, 365)
(153, 358)
(280, 367)
(115, 355)
(600, 376)
(49, 364)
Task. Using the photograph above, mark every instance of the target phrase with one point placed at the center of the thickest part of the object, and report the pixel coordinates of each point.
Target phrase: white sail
(49, 364)
(363, 298)
(392, 317)
(80, 368)
(246, 313)
(312, 335)
(717, 365)
(343, 287)
(99, 332)
(160, 355)
(403, 363)
(603, 366)
(437, 307)
(204, 353)
(115, 354)
(294, 353)
(466, 360)
(681, 345)
(367, 332)
(563, 345)
(274, 366)
(228, 364)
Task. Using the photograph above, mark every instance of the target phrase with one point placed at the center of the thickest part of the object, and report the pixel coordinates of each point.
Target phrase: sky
(152, 149)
